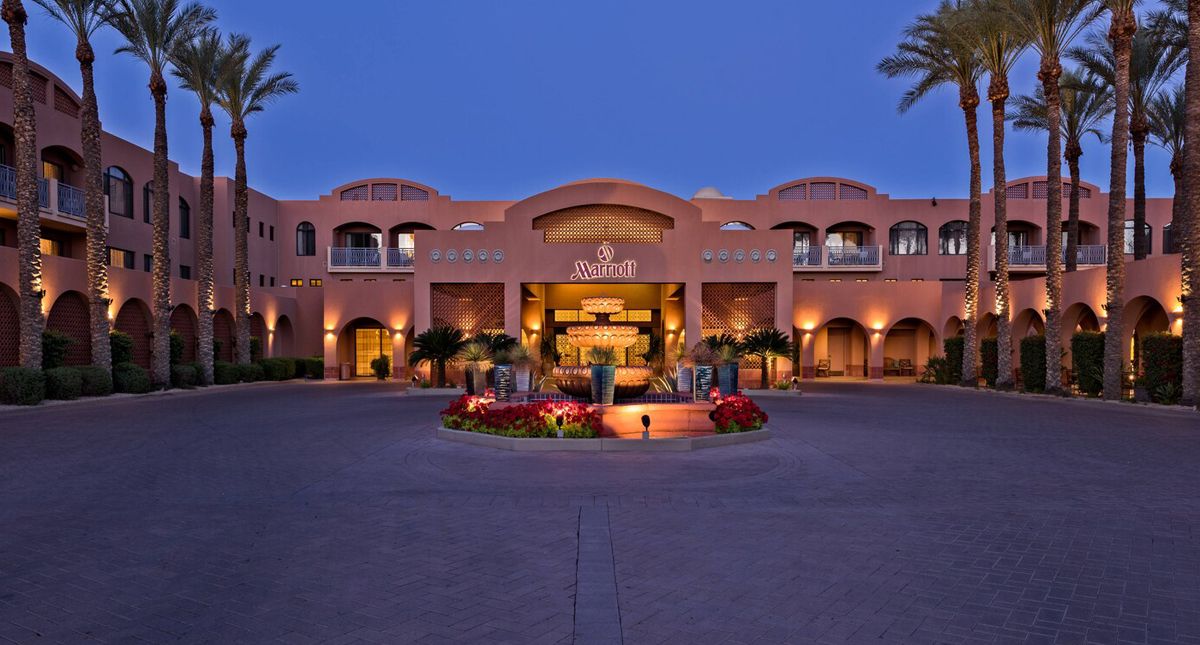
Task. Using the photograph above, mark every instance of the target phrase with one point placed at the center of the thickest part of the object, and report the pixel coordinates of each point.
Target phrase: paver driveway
(327, 512)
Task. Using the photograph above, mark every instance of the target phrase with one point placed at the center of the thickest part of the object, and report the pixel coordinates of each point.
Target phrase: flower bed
(737, 413)
(526, 420)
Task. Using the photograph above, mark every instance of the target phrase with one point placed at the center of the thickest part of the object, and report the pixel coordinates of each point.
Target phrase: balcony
(1032, 259)
(61, 201)
(837, 258)
(359, 260)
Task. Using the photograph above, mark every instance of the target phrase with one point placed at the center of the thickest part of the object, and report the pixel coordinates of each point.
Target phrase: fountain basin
(631, 382)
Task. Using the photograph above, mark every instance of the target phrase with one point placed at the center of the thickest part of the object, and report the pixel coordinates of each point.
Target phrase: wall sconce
(1104, 307)
(933, 202)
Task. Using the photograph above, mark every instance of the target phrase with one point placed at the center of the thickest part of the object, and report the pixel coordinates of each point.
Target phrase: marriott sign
(605, 268)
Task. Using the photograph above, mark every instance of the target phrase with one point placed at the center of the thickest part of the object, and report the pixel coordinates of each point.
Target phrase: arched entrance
(907, 347)
(134, 319)
(841, 347)
(258, 329)
(223, 335)
(361, 341)
(953, 327)
(284, 338)
(10, 328)
(70, 316)
(183, 322)
(1143, 316)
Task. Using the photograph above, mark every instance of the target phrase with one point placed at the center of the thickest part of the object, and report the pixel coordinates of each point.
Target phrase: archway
(284, 338)
(63, 164)
(953, 327)
(70, 316)
(134, 319)
(841, 347)
(907, 346)
(10, 328)
(223, 335)
(361, 341)
(1143, 316)
(258, 329)
(1076, 318)
(183, 322)
(1027, 322)
(988, 326)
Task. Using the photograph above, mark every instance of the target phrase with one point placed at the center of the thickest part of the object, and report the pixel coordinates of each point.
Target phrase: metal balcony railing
(70, 200)
(806, 256)
(853, 256)
(353, 257)
(342, 258)
(402, 257)
(1033, 257)
(837, 258)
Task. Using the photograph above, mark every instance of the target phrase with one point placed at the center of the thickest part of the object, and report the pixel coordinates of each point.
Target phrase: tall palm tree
(1152, 64)
(153, 30)
(200, 64)
(1170, 24)
(437, 346)
(29, 223)
(999, 47)
(767, 345)
(1086, 102)
(247, 88)
(1167, 114)
(933, 54)
(1190, 262)
(84, 18)
(1050, 26)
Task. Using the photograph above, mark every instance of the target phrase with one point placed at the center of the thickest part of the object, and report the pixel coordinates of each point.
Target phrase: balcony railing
(1033, 257)
(344, 259)
(67, 200)
(70, 200)
(837, 258)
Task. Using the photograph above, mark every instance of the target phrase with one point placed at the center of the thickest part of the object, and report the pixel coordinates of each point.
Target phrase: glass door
(369, 344)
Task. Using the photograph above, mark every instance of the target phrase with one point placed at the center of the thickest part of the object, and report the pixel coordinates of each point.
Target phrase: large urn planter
(504, 382)
(683, 379)
(704, 382)
(727, 379)
(604, 384)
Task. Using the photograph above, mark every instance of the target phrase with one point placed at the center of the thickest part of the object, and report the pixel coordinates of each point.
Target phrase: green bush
(250, 372)
(121, 345)
(183, 377)
(1087, 361)
(176, 348)
(1033, 363)
(255, 348)
(953, 349)
(199, 375)
(225, 373)
(1162, 366)
(63, 383)
(278, 369)
(131, 379)
(382, 367)
(314, 367)
(95, 381)
(989, 353)
(301, 367)
(22, 386)
(54, 348)
(216, 349)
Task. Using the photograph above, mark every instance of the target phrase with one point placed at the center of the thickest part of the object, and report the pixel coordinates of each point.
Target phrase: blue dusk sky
(483, 99)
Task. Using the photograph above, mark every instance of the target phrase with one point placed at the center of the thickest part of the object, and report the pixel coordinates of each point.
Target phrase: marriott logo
(605, 267)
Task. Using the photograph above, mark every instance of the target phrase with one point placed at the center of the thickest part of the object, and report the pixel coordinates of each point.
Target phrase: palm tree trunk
(1190, 260)
(764, 375)
(1121, 35)
(29, 225)
(1178, 205)
(969, 101)
(204, 248)
(93, 202)
(161, 270)
(998, 94)
(1049, 74)
(241, 253)
(1074, 151)
(1141, 246)
(439, 373)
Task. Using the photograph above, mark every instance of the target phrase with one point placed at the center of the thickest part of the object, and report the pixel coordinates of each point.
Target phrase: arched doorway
(841, 347)
(183, 322)
(953, 327)
(907, 347)
(223, 335)
(1027, 322)
(284, 338)
(258, 329)
(1143, 316)
(70, 316)
(361, 341)
(10, 328)
(134, 319)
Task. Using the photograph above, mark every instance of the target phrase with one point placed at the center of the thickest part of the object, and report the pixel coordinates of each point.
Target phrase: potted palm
(604, 374)
(477, 359)
(437, 346)
(728, 357)
(704, 358)
(767, 345)
(382, 367)
(522, 362)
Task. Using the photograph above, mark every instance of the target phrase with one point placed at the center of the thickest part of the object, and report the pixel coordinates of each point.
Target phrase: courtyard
(330, 513)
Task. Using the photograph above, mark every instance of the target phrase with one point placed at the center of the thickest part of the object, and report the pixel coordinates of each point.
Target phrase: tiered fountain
(631, 382)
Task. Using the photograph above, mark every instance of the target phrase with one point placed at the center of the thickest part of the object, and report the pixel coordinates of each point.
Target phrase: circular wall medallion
(739, 255)
(707, 255)
(451, 255)
(468, 255)
(723, 255)
(771, 255)
(498, 256)
(435, 255)
(482, 255)
(755, 256)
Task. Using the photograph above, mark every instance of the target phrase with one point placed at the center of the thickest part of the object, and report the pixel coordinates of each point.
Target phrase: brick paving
(328, 513)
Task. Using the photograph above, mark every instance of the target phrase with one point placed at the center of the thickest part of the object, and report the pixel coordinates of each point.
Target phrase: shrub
(738, 413)
(225, 373)
(176, 348)
(299, 366)
(131, 378)
(63, 383)
(255, 348)
(314, 367)
(54, 348)
(937, 370)
(1033, 363)
(121, 345)
(1162, 366)
(953, 349)
(274, 369)
(200, 382)
(527, 420)
(95, 381)
(1087, 361)
(250, 372)
(382, 367)
(184, 376)
(22, 386)
(989, 368)
(216, 349)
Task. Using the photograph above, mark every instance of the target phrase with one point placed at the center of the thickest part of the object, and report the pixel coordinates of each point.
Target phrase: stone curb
(1148, 407)
(434, 391)
(681, 444)
(119, 397)
(781, 394)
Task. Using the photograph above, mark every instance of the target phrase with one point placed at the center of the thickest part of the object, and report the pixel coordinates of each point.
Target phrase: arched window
(469, 226)
(119, 188)
(1129, 241)
(909, 238)
(952, 238)
(736, 226)
(306, 239)
(1168, 243)
(185, 220)
(147, 201)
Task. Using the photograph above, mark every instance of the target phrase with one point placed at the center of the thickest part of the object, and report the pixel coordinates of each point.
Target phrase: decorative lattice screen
(1018, 191)
(356, 194)
(413, 194)
(6, 74)
(1040, 190)
(846, 191)
(736, 308)
(822, 191)
(383, 192)
(794, 193)
(471, 307)
(70, 316)
(37, 87)
(10, 323)
(183, 322)
(603, 223)
(64, 103)
(133, 319)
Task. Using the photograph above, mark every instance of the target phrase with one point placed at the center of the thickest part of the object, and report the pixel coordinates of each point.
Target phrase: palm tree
(478, 360)
(1152, 64)
(1190, 262)
(29, 224)
(84, 18)
(767, 345)
(1086, 102)
(438, 346)
(999, 47)
(200, 64)
(1050, 26)
(1167, 114)
(936, 56)
(153, 30)
(495, 343)
(247, 89)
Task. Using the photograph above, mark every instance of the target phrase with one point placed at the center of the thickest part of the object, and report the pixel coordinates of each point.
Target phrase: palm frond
(153, 29)
(82, 17)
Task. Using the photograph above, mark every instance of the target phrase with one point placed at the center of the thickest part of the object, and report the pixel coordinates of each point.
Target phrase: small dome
(709, 192)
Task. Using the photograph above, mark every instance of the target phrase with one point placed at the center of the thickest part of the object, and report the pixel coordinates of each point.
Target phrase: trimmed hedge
(184, 376)
(131, 379)
(63, 383)
(225, 373)
(95, 381)
(250, 372)
(54, 349)
(22, 386)
(1087, 361)
(989, 368)
(1033, 363)
(953, 349)
(1162, 367)
(314, 367)
(121, 345)
(176, 348)
(278, 369)
(199, 375)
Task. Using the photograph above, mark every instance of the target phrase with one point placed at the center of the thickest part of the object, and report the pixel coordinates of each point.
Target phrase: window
(147, 262)
(120, 258)
(736, 226)
(260, 229)
(185, 220)
(844, 238)
(272, 281)
(272, 229)
(952, 238)
(801, 239)
(119, 188)
(297, 282)
(908, 238)
(469, 226)
(1168, 243)
(1129, 237)
(369, 344)
(406, 240)
(262, 280)
(51, 247)
(306, 239)
(51, 170)
(147, 200)
(359, 240)
(185, 272)
(315, 282)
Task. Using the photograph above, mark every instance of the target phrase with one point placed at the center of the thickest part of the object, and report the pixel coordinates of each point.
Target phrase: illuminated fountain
(631, 382)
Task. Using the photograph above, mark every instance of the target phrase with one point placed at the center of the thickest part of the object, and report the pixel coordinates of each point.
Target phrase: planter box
(684, 379)
(704, 382)
(727, 379)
